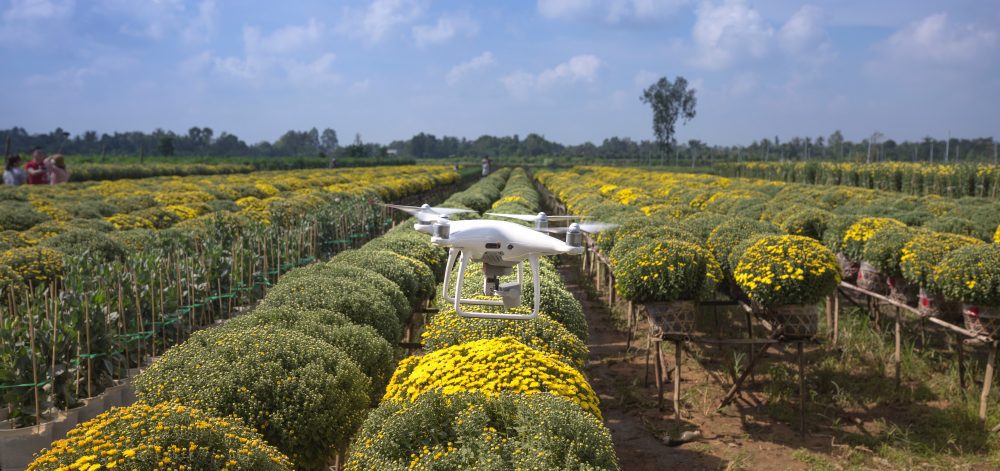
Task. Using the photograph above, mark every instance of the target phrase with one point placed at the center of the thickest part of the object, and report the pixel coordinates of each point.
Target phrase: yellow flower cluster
(778, 270)
(447, 329)
(862, 230)
(164, 436)
(491, 366)
(33, 265)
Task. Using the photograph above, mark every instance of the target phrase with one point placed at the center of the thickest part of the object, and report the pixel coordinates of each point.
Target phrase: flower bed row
(492, 394)
(773, 244)
(283, 386)
(83, 302)
(981, 180)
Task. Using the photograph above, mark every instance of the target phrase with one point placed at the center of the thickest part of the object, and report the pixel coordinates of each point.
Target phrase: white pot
(18, 446)
(92, 407)
(64, 422)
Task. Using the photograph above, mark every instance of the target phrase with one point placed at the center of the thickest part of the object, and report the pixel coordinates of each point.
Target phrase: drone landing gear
(509, 292)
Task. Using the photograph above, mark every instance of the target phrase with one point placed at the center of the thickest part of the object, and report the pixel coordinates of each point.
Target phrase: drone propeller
(426, 213)
(534, 217)
(588, 227)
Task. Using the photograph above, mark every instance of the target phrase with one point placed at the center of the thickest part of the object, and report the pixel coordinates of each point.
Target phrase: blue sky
(572, 70)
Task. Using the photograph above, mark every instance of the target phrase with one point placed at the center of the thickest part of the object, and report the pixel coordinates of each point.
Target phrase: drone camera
(511, 294)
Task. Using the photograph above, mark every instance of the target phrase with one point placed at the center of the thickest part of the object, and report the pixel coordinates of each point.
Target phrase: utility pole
(995, 161)
(932, 151)
(767, 149)
(947, 144)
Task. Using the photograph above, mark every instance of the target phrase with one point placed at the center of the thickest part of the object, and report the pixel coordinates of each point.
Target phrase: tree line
(203, 141)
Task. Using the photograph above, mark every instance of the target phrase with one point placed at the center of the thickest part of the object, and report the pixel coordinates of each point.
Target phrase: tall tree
(669, 101)
(328, 140)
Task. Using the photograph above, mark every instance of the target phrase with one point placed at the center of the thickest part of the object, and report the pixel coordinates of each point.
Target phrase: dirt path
(739, 437)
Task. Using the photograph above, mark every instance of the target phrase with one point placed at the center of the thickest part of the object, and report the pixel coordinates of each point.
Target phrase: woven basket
(983, 320)
(848, 268)
(793, 321)
(672, 318)
(871, 279)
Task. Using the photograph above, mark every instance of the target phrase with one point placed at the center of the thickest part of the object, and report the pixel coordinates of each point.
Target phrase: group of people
(40, 170)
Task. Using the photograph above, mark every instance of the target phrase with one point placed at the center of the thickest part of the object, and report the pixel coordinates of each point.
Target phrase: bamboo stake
(34, 360)
(897, 357)
(987, 381)
(677, 379)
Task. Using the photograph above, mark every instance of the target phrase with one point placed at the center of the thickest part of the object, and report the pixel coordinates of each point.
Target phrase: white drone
(499, 245)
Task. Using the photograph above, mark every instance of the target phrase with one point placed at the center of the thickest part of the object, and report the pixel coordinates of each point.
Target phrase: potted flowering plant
(669, 276)
(869, 277)
(971, 275)
(919, 257)
(785, 277)
(883, 251)
(833, 239)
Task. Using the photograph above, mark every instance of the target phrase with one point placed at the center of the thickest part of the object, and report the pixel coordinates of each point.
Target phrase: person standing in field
(56, 168)
(37, 175)
(13, 174)
(486, 166)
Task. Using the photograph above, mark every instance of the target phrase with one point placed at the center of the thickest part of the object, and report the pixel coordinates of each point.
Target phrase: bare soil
(740, 436)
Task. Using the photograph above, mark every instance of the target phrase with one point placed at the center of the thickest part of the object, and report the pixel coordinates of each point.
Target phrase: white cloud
(201, 26)
(645, 78)
(742, 84)
(282, 40)
(314, 73)
(278, 57)
(935, 39)
(610, 11)
(38, 10)
(581, 68)
(359, 87)
(445, 29)
(804, 36)
(380, 18)
(460, 71)
(727, 32)
(30, 22)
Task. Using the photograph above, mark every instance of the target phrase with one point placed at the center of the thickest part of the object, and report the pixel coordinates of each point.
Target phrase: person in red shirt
(37, 175)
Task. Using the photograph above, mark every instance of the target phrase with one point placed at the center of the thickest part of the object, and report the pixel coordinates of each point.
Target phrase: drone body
(500, 246)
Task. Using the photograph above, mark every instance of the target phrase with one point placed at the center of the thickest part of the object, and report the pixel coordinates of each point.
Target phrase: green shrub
(667, 270)
(85, 242)
(361, 343)
(406, 241)
(954, 225)
(970, 274)
(302, 396)
(412, 276)
(702, 224)
(925, 251)
(335, 269)
(863, 229)
(18, 216)
(728, 236)
(473, 431)
(361, 302)
(804, 221)
(885, 249)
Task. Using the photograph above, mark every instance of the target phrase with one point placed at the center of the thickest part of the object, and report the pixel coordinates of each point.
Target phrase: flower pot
(933, 305)
(113, 396)
(983, 320)
(92, 407)
(64, 422)
(793, 321)
(871, 279)
(128, 394)
(901, 291)
(848, 268)
(18, 446)
(672, 318)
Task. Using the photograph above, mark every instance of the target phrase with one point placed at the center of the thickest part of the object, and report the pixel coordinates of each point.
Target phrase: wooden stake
(987, 381)
(802, 389)
(836, 319)
(659, 377)
(960, 351)
(898, 354)
(677, 379)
